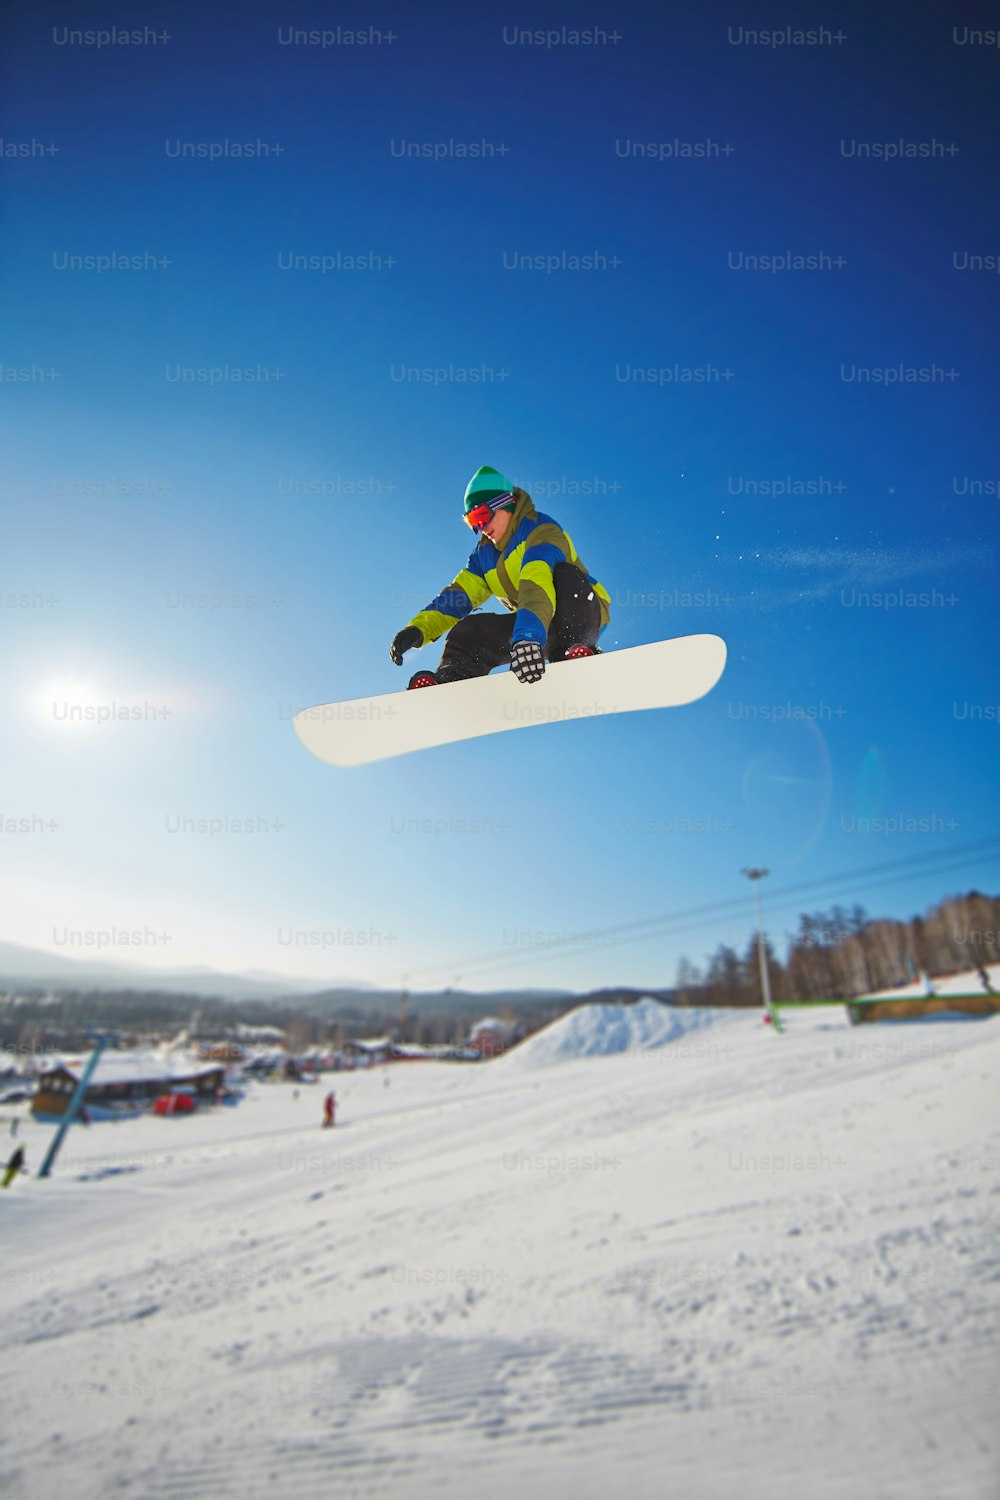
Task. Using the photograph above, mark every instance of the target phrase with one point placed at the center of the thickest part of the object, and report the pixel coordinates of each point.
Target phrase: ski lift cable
(926, 864)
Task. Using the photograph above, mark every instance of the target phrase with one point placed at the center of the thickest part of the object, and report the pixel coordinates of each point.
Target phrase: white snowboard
(662, 675)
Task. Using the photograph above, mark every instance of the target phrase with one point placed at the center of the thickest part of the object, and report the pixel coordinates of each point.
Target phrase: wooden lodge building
(123, 1083)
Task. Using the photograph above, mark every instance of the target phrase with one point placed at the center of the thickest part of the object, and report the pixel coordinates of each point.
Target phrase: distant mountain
(22, 967)
(31, 966)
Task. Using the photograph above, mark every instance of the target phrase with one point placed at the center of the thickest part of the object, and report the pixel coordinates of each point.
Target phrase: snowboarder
(529, 563)
(330, 1109)
(14, 1165)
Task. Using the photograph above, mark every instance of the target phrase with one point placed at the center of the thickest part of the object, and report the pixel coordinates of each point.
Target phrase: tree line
(844, 953)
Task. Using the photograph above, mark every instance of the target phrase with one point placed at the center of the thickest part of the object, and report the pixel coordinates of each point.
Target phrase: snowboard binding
(423, 678)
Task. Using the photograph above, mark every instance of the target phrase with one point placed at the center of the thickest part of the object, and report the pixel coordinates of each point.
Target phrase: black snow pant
(477, 644)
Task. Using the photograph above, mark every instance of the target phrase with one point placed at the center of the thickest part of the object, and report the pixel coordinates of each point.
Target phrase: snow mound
(609, 1030)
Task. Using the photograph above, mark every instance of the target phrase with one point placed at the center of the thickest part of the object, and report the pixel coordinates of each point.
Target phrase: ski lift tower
(756, 876)
(102, 1039)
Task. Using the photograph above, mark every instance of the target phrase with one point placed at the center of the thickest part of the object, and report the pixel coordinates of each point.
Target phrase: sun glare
(72, 703)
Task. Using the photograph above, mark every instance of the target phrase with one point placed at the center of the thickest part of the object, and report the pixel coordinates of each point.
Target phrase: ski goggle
(480, 516)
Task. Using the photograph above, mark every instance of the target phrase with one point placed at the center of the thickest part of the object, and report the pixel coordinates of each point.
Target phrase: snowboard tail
(664, 674)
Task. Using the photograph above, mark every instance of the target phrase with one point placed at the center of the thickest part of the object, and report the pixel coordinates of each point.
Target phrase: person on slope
(527, 561)
(14, 1165)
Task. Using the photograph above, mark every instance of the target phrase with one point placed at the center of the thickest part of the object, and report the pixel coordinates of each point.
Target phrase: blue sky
(209, 557)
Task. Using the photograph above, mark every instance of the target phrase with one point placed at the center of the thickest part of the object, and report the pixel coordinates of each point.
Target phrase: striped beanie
(488, 487)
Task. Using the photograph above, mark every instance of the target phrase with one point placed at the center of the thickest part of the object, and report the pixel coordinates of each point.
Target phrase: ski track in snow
(728, 1266)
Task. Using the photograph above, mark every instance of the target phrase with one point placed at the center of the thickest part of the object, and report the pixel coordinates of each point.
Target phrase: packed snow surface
(603, 1030)
(735, 1266)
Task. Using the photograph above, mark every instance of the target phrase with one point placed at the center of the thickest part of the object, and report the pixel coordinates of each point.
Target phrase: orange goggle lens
(479, 516)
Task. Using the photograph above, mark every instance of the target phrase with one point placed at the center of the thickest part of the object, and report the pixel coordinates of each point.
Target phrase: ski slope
(968, 982)
(730, 1266)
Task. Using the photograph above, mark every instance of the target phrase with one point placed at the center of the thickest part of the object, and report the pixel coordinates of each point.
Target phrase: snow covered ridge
(609, 1030)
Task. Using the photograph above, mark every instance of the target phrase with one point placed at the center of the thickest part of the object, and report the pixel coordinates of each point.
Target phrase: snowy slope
(968, 982)
(835, 1017)
(733, 1267)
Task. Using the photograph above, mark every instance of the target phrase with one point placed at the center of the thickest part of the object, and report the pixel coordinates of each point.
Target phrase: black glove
(527, 661)
(406, 640)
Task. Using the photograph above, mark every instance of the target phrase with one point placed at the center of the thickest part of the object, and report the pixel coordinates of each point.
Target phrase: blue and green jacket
(518, 573)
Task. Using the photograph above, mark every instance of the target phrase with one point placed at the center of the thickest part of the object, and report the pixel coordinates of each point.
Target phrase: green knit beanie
(485, 486)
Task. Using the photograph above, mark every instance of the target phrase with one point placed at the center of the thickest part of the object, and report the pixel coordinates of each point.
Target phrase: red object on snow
(329, 1108)
(767, 1019)
(174, 1104)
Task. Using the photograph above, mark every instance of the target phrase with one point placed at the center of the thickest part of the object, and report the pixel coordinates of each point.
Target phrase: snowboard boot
(575, 652)
(421, 679)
